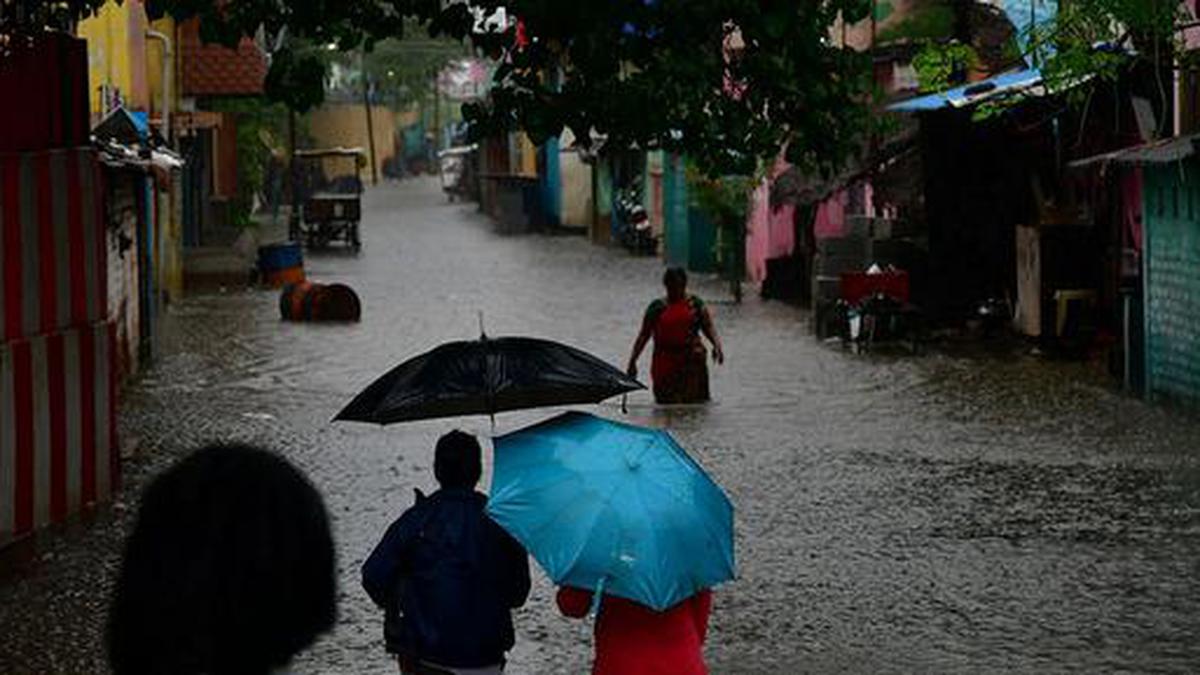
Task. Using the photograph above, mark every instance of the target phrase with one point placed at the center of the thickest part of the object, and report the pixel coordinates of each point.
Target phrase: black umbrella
(484, 377)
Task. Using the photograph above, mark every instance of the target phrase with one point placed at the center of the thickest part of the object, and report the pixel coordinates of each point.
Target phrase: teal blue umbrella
(613, 508)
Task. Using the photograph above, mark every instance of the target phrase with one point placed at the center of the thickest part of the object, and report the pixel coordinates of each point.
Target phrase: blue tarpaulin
(141, 121)
(976, 92)
(1024, 15)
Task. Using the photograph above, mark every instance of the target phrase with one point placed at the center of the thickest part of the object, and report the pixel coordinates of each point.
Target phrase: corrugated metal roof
(1162, 151)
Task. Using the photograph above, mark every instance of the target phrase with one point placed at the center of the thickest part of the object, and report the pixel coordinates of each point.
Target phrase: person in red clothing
(675, 323)
(632, 639)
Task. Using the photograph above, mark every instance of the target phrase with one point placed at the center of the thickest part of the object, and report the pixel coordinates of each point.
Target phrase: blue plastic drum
(275, 257)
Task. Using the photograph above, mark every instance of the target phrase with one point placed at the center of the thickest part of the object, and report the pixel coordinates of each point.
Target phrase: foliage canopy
(646, 73)
(727, 81)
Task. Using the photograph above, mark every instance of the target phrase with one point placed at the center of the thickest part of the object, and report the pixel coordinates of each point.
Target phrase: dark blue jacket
(448, 577)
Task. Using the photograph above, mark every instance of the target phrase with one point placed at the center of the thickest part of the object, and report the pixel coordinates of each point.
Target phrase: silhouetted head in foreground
(457, 460)
(229, 569)
(675, 279)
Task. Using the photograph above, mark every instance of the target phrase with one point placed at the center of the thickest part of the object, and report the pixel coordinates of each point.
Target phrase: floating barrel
(280, 264)
(306, 301)
(291, 300)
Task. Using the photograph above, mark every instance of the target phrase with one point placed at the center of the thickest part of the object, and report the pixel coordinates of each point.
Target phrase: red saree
(679, 367)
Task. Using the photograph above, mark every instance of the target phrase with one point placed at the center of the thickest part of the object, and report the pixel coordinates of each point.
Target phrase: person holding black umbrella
(447, 576)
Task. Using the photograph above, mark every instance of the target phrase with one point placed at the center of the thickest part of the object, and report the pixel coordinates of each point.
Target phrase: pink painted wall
(1191, 36)
(830, 221)
(770, 233)
(783, 231)
(758, 234)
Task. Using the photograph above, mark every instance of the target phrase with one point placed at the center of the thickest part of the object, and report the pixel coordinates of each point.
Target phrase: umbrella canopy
(484, 377)
(602, 504)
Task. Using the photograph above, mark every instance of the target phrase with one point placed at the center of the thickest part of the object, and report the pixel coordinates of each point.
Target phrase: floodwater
(969, 510)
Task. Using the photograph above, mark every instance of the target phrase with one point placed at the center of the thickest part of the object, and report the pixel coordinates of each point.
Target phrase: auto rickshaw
(331, 180)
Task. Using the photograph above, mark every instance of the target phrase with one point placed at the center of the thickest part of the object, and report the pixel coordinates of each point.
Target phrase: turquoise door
(550, 180)
(675, 211)
(702, 242)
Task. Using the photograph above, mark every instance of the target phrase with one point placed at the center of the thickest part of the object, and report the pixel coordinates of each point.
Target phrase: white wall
(576, 189)
(123, 305)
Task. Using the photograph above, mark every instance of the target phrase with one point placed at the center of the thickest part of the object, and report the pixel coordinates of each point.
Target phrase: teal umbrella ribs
(603, 505)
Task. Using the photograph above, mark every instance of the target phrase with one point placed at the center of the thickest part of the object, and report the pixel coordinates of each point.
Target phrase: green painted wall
(1171, 213)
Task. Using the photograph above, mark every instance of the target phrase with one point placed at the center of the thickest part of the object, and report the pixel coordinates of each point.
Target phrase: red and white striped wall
(53, 252)
(58, 443)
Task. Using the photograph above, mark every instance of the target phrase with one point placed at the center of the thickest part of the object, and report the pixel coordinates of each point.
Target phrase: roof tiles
(215, 70)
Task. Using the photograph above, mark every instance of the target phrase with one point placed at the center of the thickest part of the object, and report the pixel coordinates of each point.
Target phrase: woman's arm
(710, 332)
(638, 345)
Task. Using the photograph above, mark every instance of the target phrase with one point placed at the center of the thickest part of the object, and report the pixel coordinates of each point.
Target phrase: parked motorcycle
(994, 315)
(878, 318)
(634, 230)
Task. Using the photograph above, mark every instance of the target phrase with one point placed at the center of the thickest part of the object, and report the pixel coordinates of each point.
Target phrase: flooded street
(973, 512)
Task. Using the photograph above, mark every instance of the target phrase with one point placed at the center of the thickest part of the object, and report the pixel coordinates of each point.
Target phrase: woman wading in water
(678, 367)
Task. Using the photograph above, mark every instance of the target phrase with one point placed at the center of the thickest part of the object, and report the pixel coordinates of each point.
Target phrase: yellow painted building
(170, 230)
(125, 67)
(345, 125)
(116, 39)
(576, 179)
(525, 154)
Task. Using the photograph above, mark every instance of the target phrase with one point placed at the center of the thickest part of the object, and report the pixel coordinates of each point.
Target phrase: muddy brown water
(964, 511)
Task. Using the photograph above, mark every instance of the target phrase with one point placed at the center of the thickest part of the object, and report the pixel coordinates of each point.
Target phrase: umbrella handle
(594, 610)
(624, 404)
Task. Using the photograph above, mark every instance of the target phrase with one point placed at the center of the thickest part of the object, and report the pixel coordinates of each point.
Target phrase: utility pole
(437, 115)
(294, 213)
(370, 123)
(872, 135)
